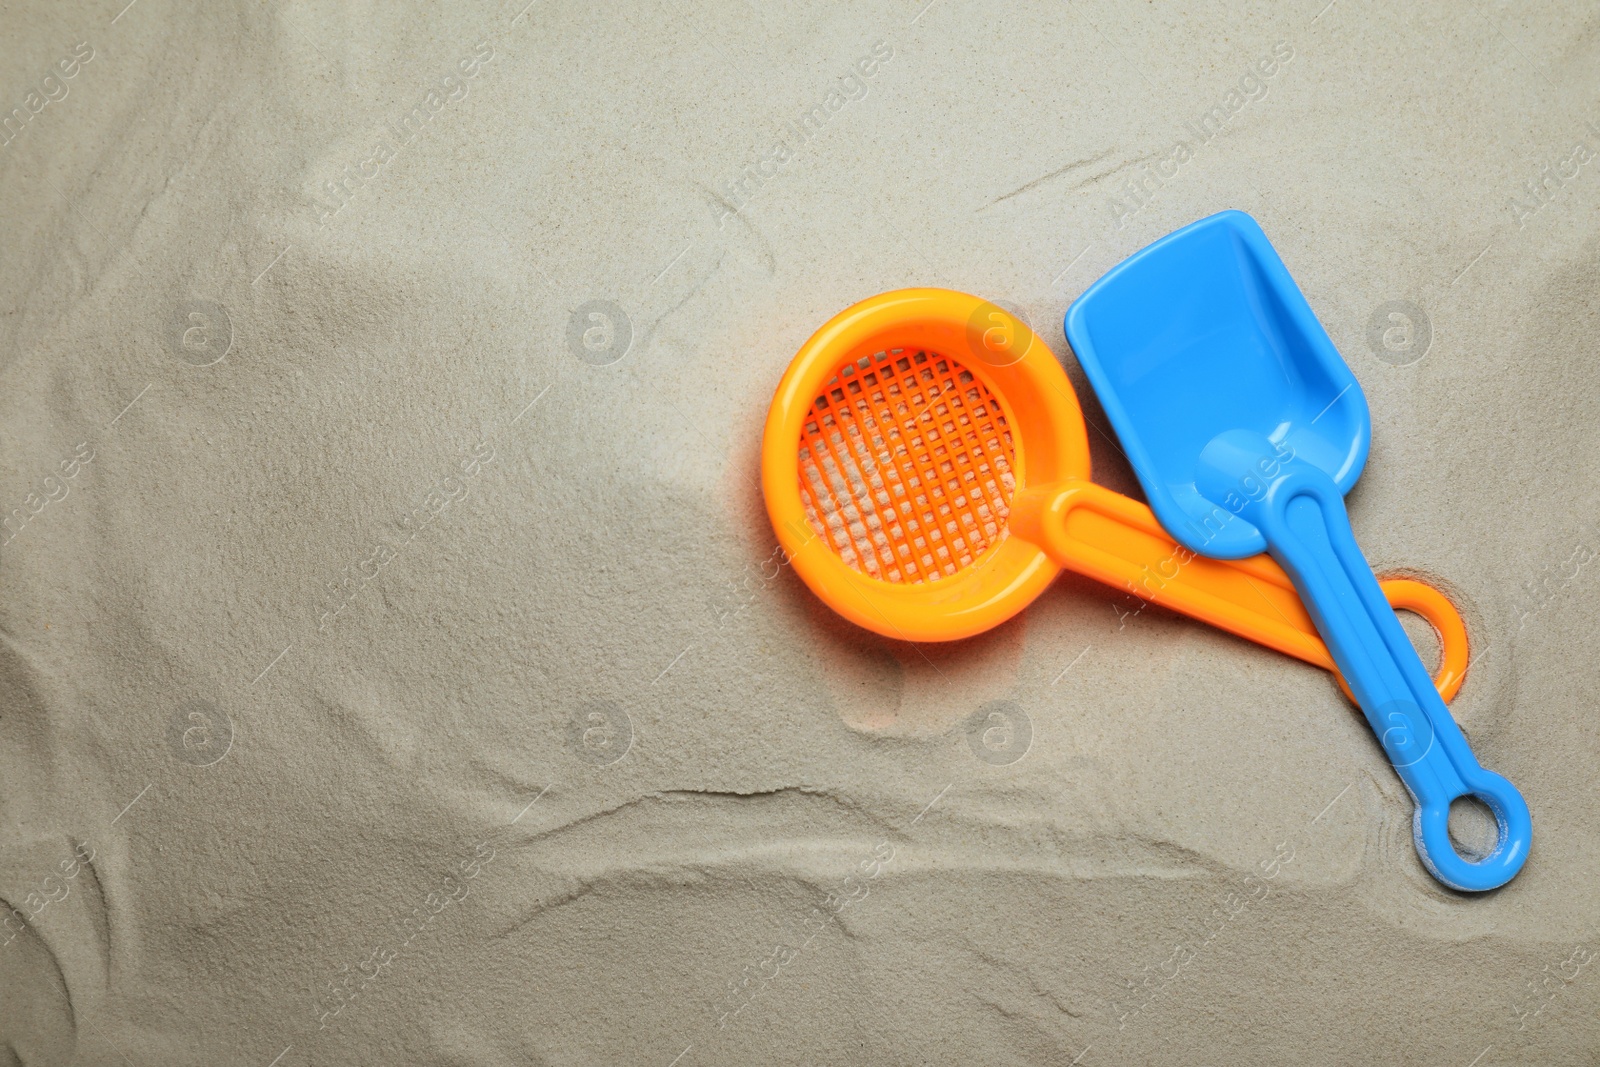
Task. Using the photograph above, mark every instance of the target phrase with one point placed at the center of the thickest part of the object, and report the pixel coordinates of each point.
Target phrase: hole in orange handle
(1407, 594)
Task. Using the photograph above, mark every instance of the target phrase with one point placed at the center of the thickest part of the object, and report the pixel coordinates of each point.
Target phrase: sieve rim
(1048, 444)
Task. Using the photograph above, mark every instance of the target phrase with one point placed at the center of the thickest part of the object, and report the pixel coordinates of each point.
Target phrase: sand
(396, 665)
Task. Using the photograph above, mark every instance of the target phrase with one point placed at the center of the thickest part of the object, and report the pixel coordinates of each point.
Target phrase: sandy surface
(393, 674)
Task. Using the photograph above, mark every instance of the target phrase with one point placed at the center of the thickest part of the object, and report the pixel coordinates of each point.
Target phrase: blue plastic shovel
(1246, 429)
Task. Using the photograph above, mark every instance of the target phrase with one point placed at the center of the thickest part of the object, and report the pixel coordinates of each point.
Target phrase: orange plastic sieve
(926, 470)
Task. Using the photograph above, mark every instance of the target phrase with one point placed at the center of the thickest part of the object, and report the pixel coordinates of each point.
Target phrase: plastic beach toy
(1246, 429)
(926, 470)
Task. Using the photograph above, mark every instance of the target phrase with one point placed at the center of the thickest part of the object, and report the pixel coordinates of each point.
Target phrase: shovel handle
(1300, 512)
(1111, 538)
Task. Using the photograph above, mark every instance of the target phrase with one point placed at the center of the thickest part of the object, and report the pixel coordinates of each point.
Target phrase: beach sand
(396, 662)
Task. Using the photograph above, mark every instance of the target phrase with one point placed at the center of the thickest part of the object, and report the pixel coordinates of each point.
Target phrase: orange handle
(1115, 540)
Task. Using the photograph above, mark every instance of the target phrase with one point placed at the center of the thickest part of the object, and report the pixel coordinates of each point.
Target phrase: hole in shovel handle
(1473, 827)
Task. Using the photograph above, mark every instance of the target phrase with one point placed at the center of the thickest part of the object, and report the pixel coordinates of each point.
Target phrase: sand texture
(395, 662)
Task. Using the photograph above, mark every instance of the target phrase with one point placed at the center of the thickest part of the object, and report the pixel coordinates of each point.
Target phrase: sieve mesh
(906, 466)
